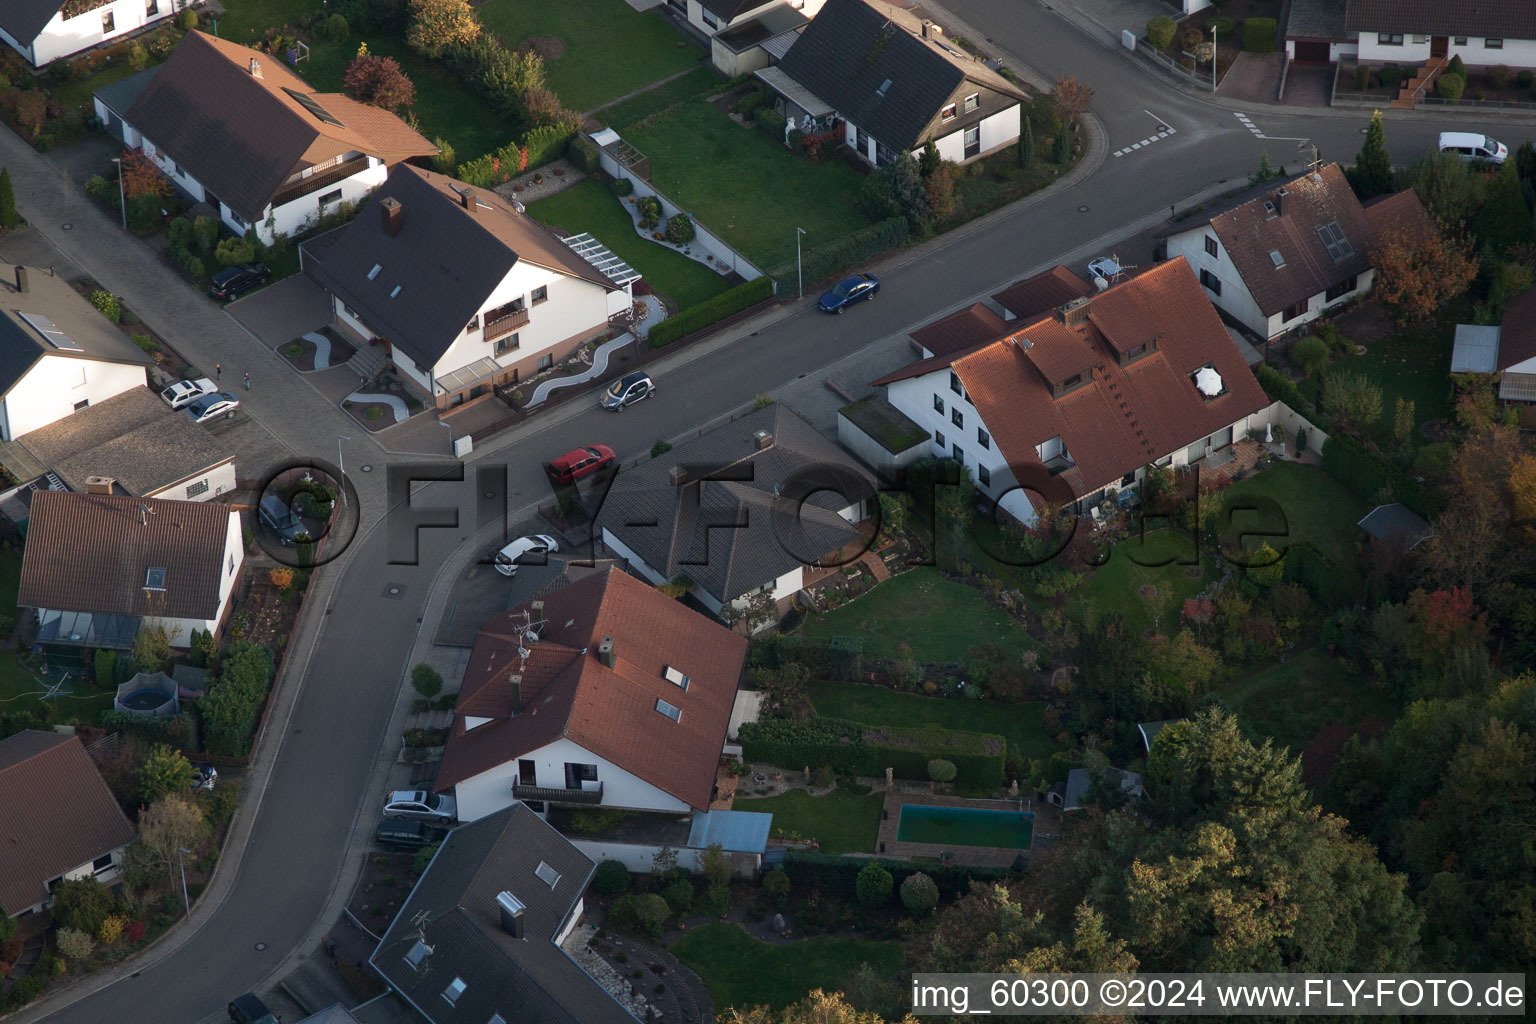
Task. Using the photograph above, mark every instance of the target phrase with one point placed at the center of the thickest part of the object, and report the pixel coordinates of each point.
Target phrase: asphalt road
(323, 755)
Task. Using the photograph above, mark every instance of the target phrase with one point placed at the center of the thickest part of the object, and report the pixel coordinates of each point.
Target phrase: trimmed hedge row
(838, 657)
(861, 246)
(1315, 572)
(695, 318)
(838, 876)
(1347, 461)
(852, 748)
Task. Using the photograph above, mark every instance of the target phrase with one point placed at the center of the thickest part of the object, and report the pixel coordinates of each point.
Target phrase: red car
(574, 465)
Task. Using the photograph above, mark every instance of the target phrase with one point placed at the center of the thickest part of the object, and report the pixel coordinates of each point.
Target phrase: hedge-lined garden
(852, 748)
(711, 311)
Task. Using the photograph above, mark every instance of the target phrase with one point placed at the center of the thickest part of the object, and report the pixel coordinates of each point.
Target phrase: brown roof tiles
(1501, 19)
(1036, 296)
(960, 330)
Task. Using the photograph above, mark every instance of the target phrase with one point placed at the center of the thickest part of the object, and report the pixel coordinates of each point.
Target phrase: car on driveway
(184, 392)
(510, 557)
(213, 405)
(1474, 147)
(1105, 267)
(420, 805)
(579, 462)
(280, 519)
(410, 835)
(628, 390)
(233, 282)
(848, 291)
(247, 1009)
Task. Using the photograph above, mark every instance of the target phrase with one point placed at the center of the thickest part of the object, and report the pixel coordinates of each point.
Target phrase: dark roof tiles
(1037, 296)
(1501, 19)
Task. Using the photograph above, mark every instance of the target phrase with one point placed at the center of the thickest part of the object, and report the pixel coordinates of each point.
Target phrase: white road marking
(1164, 129)
(1258, 132)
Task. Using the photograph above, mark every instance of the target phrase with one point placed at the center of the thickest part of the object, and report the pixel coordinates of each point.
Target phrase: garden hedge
(771, 123)
(823, 261)
(710, 311)
(1307, 567)
(1259, 35)
(546, 144)
(1368, 474)
(838, 657)
(583, 153)
(838, 876)
(852, 748)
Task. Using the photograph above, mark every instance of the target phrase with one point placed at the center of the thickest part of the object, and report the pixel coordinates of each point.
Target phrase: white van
(1472, 146)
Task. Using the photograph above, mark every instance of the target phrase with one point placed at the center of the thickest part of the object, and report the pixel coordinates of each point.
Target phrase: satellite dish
(1100, 284)
(531, 637)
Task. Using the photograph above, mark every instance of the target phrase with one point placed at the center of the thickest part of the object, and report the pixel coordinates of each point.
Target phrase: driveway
(1254, 77)
(1307, 85)
(283, 311)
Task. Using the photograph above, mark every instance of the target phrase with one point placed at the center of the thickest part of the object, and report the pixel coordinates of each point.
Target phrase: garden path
(599, 365)
(397, 405)
(322, 349)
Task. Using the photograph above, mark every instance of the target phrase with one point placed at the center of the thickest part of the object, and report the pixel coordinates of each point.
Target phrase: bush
(335, 29)
(749, 103)
(205, 233)
(771, 123)
(649, 210)
(874, 886)
(75, 944)
(186, 20)
(919, 894)
(231, 251)
(679, 897)
(1362, 78)
(426, 681)
(650, 912)
(1223, 25)
(940, 770)
(1451, 87)
(423, 859)
(82, 904)
(1160, 31)
(546, 144)
(1500, 75)
(823, 777)
(107, 305)
(1259, 35)
(583, 153)
(716, 901)
(611, 878)
(710, 311)
(1367, 475)
(1310, 353)
(1524, 79)
(660, 448)
(1390, 76)
(195, 266)
(845, 747)
(680, 229)
(621, 186)
(443, 161)
(857, 248)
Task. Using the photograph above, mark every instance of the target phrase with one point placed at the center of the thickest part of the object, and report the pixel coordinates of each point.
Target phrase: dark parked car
(281, 520)
(848, 291)
(247, 1009)
(628, 390)
(409, 835)
(574, 465)
(233, 282)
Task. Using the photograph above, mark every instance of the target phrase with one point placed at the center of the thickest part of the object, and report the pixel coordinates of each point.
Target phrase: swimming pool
(965, 826)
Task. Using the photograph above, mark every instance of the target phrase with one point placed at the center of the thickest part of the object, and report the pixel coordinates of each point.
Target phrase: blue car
(848, 291)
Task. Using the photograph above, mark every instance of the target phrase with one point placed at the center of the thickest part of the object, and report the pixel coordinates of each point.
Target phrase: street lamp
(183, 867)
(122, 203)
(341, 463)
(1213, 58)
(799, 270)
(449, 425)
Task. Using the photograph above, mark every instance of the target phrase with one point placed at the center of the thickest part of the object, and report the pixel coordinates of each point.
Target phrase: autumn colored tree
(1072, 99)
(142, 178)
(438, 24)
(378, 82)
(1522, 497)
(939, 188)
(1418, 273)
(31, 112)
(171, 823)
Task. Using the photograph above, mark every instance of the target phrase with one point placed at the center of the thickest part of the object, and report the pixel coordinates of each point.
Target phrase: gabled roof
(720, 528)
(56, 813)
(1080, 781)
(852, 48)
(566, 691)
(1398, 211)
(1517, 336)
(960, 330)
(437, 294)
(90, 552)
(453, 917)
(1037, 296)
(1501, 19)
(24, 20)
(1317, 19)
(1127, 415)
(1476, 349)
(81, 332)
(1313, 203)
(242, 136)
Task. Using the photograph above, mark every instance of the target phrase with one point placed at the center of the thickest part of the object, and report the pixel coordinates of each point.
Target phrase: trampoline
(144, 701)
(153, 694)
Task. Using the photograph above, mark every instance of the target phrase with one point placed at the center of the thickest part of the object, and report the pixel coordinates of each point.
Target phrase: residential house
(756, 39)
(132, 443)
(1408, 32)
(962, 329)
(1076, 405)
(97, 567)
(740, 510)
(58, 819)
(605, 693)
(1072, 794)
(58, 355)
(479, 939)
(232, 127)
(1038, 296)
(1281, 260)
(1315, 34)
(713, 17)
(45, 30)
(894, 82)
(510, 301)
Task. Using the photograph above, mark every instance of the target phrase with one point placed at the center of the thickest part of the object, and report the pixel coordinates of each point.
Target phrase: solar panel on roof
(309, 104)
(50, 332)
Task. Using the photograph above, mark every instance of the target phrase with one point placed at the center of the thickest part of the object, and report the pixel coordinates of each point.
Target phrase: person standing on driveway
(247, 380)
(218, 371)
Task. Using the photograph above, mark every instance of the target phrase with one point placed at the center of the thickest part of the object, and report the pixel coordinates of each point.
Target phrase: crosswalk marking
(1145, 142)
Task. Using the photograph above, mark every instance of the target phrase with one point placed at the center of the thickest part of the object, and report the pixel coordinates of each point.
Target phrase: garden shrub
(1306, 566)
(445, 159)
(679, 897)
(1223, 25)
(205, 233)
(1061, 147)
(1500, 75)
(107, 305)
(335, 29)
(651, 912)
(423, 859)
(30, 987)
(1310, 353)
(823, 777)
(82, 904)
(1451, 87)
(235, 250)
(1362, 78)
(546, 144)
(1160, 31)
(716, 901)
(611, 878)
(1524, 79)
(940, 770)
(680, 229)
(776, 883)
(583, 153)
(874, 886)
(858, 247)
(749, 102)
(919, 893)
(710, 311)
(1259, 35)
(426, 681)
(621, 186)
(195, 266)
(187, 20)
(853, 749)
(479, 172)
(649, 209)
(771, 123)
(1367, 475)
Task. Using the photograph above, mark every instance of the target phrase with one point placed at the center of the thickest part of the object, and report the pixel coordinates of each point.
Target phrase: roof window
(375, 271)
(455, 989)
(675, 677)
(154, 578)
(1279, 260)
(672, 711)
(548, 875)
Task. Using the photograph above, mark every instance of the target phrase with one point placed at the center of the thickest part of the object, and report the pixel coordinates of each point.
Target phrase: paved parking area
(1254, 77)
(256, 449)
(1308, 86)
(283, 311)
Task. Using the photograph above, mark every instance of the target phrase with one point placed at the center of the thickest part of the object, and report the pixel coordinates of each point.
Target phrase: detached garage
(1315, 34)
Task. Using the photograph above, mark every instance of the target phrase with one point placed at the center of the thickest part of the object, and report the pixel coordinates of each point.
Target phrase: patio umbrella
(1208, 381)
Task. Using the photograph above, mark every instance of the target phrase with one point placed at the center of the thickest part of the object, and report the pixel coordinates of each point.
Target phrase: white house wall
(106, 876)
(1234, 297)
(997, 130)
(490, 791)
(217, 480)
(304, 212)
(637, 857)
(54, 385)
(1516, 53)
(575, 307)
(1317, 306)
(60, 38)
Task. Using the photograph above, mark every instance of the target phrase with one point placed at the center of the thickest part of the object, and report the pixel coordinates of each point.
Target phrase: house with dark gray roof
(58, 355)
(740, 511)
(233, 127)
(1420, 32)
(480, 937)
(469, 291)
(757, 37)
(893, 81)
(45, 30)
(1315, 32)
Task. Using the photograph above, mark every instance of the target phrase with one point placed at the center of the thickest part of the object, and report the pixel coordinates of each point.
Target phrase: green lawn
(746, 188)
(589, 206)
(942, 621)
(20, 688)
(876, 705)
(1116, 586)
(1317, 508)
(744, 972)
(1412, 365)
(1290, 702)
(699, 82)
(841, 821)
(610, 48)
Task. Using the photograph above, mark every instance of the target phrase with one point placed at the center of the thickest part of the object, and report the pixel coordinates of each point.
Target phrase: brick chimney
(605, 652)
(1074, 312)
(255, 68)
(99, 484)
(21, 280)
(761, 440)
(1280, 195)
(470, 201)
(677, 476)
(393, 214)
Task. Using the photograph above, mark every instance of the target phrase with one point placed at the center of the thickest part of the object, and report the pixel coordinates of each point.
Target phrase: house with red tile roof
(1063, 409)
(1289, 255)
(58, 819)
(605, 693)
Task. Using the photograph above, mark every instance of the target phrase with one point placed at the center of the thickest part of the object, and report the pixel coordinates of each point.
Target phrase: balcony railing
(551, 794)
(498, 323)
(292, 190)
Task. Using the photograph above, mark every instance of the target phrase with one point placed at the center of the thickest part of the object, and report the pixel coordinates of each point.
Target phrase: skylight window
(1279, 261)
(395, 291)
(672, 711)
(455, 989)
(884, 88)
(548, 875)
(675, 677)
(1269, 210)
(418, 953)
(154, 579)
(1332, 237)
(375, 271)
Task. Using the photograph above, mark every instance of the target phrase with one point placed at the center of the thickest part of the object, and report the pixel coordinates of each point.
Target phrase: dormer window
(972, 101)
(1134, 353)
(1071, 383)
(948, 113)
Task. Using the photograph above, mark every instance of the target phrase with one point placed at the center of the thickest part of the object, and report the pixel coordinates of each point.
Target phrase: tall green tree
(1450, 190)
(928, 161)
(1504, 220)
(165, 770)
(1026, 143)
(1372, 174)
(9, 218)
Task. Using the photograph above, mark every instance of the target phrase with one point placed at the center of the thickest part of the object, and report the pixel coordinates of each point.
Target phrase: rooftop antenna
(144, 511)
